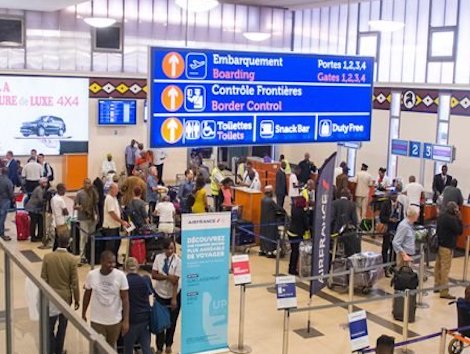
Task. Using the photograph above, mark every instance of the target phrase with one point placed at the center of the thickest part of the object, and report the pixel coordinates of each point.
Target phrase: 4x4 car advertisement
(42, 113)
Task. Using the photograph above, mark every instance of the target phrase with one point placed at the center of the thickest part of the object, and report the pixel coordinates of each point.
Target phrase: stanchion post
(92, 251)
(241, 348)
(285, 337)
(442, 342)
(351, 289)
(465, 263)
(8, 286)
(421, 303)
(406, 318)
(278, 256)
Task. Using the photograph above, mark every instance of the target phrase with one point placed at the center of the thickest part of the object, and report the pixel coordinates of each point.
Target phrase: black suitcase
(244, 233)
(339, 265)
(404, 278)
(75, 238)
(399, 305)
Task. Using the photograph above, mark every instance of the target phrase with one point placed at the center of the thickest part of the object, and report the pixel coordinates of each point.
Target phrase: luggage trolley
(460, 340)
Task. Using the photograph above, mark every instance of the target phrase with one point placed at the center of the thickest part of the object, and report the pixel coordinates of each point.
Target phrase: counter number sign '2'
(215, 98)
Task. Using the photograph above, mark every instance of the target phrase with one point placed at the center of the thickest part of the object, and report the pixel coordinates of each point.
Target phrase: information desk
(465, 211)
(250, 200)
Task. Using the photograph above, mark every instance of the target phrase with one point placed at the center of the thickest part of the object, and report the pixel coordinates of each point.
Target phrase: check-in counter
(250, 200)
(465, 212)
(430, 212)
(266, 170)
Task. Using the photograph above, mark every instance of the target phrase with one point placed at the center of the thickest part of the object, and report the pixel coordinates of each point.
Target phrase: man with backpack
(47, 170)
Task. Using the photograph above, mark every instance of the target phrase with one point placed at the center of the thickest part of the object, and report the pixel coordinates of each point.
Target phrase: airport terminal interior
(194, 172)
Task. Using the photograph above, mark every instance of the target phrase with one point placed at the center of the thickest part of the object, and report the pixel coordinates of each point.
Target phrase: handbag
(159, 314)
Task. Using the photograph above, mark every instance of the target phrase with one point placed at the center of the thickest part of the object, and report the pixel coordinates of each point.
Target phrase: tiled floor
(264, 324)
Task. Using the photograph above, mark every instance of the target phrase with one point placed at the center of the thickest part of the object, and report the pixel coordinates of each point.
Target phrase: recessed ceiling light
(99, 22)
(197, 5)
(386, 26)
(257, 36)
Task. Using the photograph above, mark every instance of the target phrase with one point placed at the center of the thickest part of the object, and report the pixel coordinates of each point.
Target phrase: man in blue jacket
(12, 166)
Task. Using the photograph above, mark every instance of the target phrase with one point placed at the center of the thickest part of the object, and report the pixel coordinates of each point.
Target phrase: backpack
(434, 242)
(191, 200)
(51, 177)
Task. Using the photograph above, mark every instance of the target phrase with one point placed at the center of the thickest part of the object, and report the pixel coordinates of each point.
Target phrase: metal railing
(96, 343)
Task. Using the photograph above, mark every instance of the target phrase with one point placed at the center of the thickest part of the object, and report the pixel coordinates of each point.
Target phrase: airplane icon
(197, 64)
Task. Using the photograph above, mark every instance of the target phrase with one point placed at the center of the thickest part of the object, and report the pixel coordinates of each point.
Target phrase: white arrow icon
(172, 125)
(174, 61)
(173, 93)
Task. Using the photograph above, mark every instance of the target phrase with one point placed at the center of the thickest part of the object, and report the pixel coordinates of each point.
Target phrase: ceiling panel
(38, 5)
(292, 4)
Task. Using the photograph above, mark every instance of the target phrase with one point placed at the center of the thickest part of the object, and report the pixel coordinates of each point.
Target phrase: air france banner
(204, 292)
(206, 98)
(322, 224)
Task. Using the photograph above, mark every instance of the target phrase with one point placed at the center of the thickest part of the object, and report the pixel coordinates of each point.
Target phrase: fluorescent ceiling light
(197, 5)
(257, 36)
(99, 22)
(386, 26)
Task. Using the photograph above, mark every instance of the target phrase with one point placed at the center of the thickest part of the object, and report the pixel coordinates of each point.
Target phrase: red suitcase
(138, 251)
(22, 225)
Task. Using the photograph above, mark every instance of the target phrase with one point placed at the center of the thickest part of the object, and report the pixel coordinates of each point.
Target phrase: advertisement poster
(205, 280)
(42, 113)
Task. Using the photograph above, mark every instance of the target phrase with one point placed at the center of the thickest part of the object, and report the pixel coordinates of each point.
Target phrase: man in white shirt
(108, 166)
(46, 168)
(59, 215)
(112, 221)
(166, 212)
(31, 173)
(159, 156)
(363, 183)
(246, 180)
(294, 184)
(108, 291)
(414, 191)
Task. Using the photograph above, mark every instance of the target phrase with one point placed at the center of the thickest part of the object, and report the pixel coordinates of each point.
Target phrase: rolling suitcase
(365, 280)
(22, 221)
(244, 233)
(404, 278)
(305, 258)
(138, 251)
(339, 265)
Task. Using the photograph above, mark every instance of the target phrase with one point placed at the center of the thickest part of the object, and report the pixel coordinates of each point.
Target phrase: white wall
(458, 136)
(374, 153)
(417, 127)
(294, 153)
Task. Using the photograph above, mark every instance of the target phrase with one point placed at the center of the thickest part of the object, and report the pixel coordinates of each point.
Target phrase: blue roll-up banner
(322, 224)
(204, 295)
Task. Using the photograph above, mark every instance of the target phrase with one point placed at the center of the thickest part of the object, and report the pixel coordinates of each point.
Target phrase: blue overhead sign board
(208, 98)
(400, 147)
(415, 149)
(427, 151)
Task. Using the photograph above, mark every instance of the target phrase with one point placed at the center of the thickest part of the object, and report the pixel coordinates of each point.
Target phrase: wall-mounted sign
(400, 147)
(415, 149)
(209, 98)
